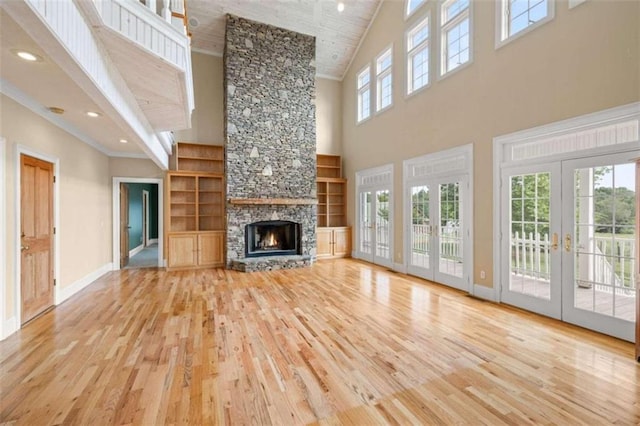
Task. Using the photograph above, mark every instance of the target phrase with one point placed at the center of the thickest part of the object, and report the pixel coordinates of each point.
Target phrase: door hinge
(54, 230)
(54, 179)
(54, 282)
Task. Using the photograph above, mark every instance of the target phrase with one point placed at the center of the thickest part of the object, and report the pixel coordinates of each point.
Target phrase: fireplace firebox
(272, 238)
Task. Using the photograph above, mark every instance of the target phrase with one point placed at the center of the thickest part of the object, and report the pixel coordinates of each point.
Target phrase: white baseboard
(9, 327)
(152, 241)
(400, 267)
(486, 293)
(65, 293)
(136, 250)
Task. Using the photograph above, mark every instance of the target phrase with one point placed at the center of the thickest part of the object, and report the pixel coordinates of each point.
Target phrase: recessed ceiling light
(124, 141)
(340, 7)
(93, 114)
(27, 56)
(56, 110)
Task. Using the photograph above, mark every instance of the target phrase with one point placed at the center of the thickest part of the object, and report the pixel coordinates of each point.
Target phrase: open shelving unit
(195, 207)
(198, 158)
(333, 234)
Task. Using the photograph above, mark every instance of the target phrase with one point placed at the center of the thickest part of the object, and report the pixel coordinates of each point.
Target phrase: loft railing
(172, 11)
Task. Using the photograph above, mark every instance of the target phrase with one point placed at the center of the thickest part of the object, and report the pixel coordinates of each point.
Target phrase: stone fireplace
(269, 78)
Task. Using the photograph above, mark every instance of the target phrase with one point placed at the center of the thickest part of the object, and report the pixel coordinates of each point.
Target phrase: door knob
(567, 243)
(23, 248)
(554, 241)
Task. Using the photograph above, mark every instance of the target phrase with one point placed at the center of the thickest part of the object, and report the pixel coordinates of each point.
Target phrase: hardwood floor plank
(341, 342)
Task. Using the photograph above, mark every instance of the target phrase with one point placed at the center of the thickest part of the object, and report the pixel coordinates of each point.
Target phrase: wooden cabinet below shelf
(333, 242)
(195, 250)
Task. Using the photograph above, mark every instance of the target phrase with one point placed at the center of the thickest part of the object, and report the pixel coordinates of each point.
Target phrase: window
(517, 16)
(418, 56)
(412, 6)
(364, 94)
(384, 93)
(454, 34)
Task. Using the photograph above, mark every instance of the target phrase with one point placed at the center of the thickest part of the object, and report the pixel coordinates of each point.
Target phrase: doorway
(568, 227)
(36, 237)
(437, 206)
(138, 223)
(374, 228)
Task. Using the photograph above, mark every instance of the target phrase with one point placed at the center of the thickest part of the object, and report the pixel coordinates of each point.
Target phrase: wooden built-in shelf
(193, 157)
(269, 201)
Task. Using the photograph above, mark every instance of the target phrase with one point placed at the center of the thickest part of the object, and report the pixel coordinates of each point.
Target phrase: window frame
(409, 13)
(360, 90)
(381, 75)
(501, 30)
(443, 27)
(408, 54)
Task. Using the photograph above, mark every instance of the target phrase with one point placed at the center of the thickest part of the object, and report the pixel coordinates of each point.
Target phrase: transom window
(516, 16)
(454, 34)
(412, 6)
(384, 92)
(418, 56)
(364, 94)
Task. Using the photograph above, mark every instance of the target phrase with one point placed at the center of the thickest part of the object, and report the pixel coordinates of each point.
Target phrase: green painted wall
(135, 212)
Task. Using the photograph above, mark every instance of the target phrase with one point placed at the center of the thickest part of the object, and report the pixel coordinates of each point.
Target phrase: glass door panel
(449, 233)
(420, 232)
(374, 226)
(383, 238)
(365, 225)
(599, 244)
(530, 239)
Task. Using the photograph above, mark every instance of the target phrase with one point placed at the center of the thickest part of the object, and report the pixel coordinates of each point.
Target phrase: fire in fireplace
(272, 238)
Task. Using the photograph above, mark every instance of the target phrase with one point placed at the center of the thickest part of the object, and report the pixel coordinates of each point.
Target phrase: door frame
(116, 217)
(3, 236)
(432, 169)
(504, 147)
(57, 299)
(145, 218)
(374, 179)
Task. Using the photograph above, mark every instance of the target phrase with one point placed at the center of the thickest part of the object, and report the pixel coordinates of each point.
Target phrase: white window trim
(574, 3)
(500, 23)
(380, 76)
(408, 14)
(441, 39)
(362, 70)
(428, 43)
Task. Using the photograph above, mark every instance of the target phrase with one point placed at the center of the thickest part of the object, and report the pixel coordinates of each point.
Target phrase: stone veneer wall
(269, 78)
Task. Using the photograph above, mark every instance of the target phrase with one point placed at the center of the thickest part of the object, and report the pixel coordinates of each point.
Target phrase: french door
(568, 241)
(531, 234)
(374, 225)
(437, 230)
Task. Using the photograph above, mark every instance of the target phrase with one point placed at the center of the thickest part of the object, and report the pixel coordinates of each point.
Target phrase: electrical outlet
(483, 275)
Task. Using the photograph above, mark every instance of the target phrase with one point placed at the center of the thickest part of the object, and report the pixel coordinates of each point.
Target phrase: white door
(568, 241)
(599, 231)
(438, 231)
(374, 226)
(531, 228)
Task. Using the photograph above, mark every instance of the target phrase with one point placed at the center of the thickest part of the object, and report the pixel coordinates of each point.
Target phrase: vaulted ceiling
(338, 34)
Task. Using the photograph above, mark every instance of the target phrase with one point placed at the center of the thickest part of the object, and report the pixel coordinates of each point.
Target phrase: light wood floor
(341, 342)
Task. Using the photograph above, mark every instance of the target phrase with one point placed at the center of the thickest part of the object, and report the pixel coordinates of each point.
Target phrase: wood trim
(326, 179)
(637, 261)
(270, 201)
